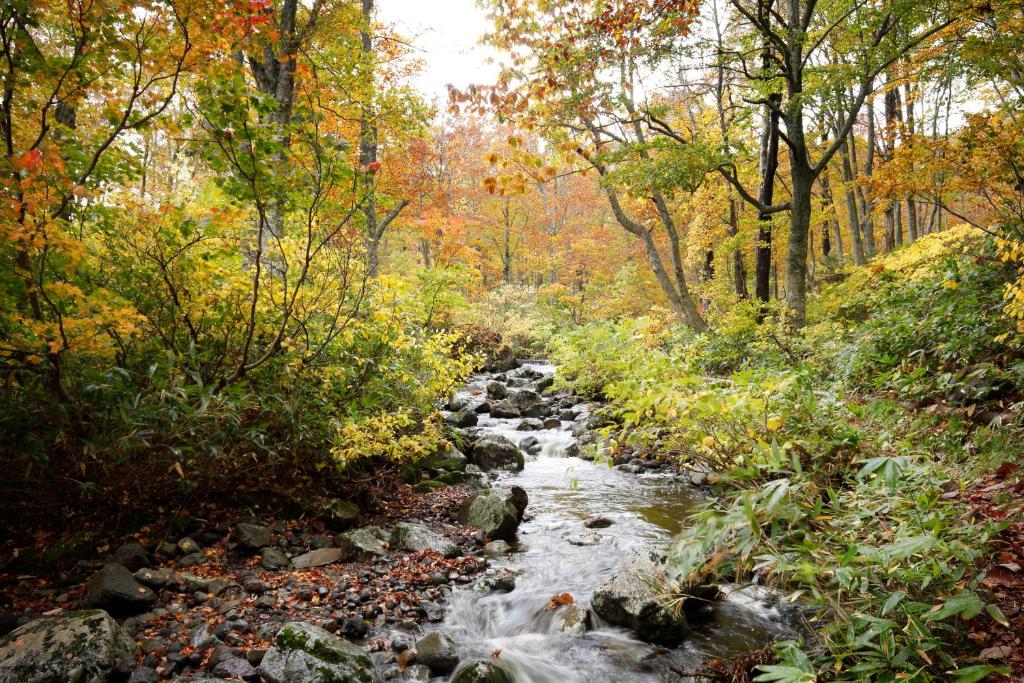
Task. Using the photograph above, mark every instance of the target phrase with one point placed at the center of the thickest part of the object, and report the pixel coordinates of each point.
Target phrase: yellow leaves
(950, 284)
(773, 423)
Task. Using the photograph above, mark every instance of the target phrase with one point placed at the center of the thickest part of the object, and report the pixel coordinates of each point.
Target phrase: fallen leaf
(559, 599)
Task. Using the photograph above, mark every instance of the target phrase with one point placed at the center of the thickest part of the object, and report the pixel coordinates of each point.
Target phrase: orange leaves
(558, 600)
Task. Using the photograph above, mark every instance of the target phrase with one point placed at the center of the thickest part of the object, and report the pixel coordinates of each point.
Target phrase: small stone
(144, 674)
(156, 578)
(598, 522)
(236, 668)
(497, 548)
(319, 558)
(187, 546)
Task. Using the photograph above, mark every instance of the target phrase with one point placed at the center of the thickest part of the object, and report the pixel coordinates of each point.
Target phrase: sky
(446, 35)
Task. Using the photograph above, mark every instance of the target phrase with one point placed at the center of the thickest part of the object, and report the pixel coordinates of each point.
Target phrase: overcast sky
(446, 33)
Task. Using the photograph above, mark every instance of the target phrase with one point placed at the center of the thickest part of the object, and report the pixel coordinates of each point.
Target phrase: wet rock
(252, 536)
(303, 653)
(482, 407)
(575, 620)
(502, 581)
(494, 451)
(319, 558)
(274, 558)
(505, 409)
(585, 539)
(480, 672)
(497, 512)
(38, 651)
(438, 652)
(568, 415)
(430, 485)
(496, 389)
(463, 418)
(502, 361)
(530, 444)
(598, 522)
(417, 538)
(497, 548)
(236, 668)
(530, 424)
(417, 673)
(632, 598)
(114, 589)
(525, 400)
(130, 555)
(433, 611)
(552, 423)
(364, 543)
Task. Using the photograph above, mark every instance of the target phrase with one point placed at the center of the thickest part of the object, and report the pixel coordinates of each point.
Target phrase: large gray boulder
(496, 389)
(634, 598)
(342, 514)
(493, 452)
(497, 512)
(303, 653)
(437, 651)
(113, 588)
(417, 538)
(363, 543)
(480, 672)
(38, 652)
(505, 409)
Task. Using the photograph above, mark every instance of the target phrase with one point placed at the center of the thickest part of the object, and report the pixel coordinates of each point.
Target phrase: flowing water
(563, 492)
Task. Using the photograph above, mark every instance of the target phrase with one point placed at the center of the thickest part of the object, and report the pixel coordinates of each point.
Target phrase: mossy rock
(303, 653)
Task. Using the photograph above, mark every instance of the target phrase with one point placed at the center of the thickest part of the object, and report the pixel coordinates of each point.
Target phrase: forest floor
(1000, 497)
(231, 595)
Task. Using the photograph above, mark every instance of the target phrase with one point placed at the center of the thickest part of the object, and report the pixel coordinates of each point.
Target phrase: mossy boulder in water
(497, 512)
(303, 653)
(494, 452)
(38, 652)
(417, 538)
(480, 672)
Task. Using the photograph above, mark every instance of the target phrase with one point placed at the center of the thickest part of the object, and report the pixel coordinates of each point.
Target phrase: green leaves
(966, 605)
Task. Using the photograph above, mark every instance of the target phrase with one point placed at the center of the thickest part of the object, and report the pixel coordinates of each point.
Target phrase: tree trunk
(765, 195)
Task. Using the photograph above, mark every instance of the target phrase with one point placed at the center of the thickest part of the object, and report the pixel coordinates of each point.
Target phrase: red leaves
(373, 166)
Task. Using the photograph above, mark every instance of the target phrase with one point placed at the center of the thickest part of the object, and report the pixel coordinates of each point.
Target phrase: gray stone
(342, 514)
(598, 522)
(156, 578)
(319, 558)
(274, 558)
(38, 651)
(252, 536)
(497, 512)
(417, 673)
(417, 538)
(494, 451)
(530, 424)
(236, 667)
(480, 672)
(363, 543)
(586, 538)
(130, 555)
(497, 548)
(144, 674)
(303, 653)
(504, 409)
(187, 546)
(438, 652)
(633, 598)
(114, 589)
(463, 418)
(502, 581)
(496, 389)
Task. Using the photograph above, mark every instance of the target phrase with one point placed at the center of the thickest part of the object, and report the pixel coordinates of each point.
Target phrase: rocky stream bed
(515, 557)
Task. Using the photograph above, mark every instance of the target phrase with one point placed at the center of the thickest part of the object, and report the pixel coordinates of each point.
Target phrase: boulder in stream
(113, 588)
(496, 389)
(39, 651)
(634, 598)
(497, 512)
(303, 653)
(493, 452)
(480, 672)
(504, 409)
(437, 651)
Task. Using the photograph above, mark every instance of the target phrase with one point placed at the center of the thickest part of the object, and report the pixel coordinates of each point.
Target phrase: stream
(563, 492)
